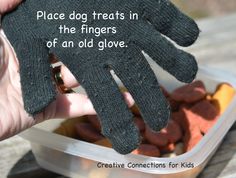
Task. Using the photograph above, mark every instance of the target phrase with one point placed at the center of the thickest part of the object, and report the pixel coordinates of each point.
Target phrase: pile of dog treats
(194, 112)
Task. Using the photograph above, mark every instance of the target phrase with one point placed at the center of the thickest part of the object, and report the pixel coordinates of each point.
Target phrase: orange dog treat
(87, 133)
(222, 97)
(94, 121)
(190, 93)
(104, 142)
(155, 138)
(147, 150)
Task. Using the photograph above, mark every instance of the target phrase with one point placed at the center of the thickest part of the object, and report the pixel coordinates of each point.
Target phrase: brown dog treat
(87, 133)
(147, 150)
(192, 130)
(104, 142)
(61, 131)
(180, 118)
(188, 120)
(170, 147)
(143, 139)
(186, 105)
(190, 126)
(139, 123)
(190, 93)
(156, 138)
(94, 121)
(205, 114)
(173, 131)
(205, 109)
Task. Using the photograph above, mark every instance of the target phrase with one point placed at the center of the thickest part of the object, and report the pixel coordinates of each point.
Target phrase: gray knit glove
(91, 66)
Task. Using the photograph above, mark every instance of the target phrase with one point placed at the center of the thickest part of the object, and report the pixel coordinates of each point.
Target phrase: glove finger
(171, 22)
(141, 82)
(115, 117)
(37, 85)
(179, 63)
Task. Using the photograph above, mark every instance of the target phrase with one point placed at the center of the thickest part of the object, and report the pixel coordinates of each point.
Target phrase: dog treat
(156, 138)
(93, 119)
(147, 150)
(173, 131)
(186, 105)
(170, 147)
(191, 138)
(174, 104)
(181, 119)
(190, 93)
(223, 96)
(192, 133)
(206, 115)
(87, 133)
(205, 109)
(67, 128)
(209, 97)
(104, 142)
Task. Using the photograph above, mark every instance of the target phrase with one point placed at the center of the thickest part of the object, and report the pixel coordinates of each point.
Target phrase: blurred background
(217, 42)
(205, 8)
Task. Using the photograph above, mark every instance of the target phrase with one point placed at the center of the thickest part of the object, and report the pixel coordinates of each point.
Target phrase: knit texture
(91, 67)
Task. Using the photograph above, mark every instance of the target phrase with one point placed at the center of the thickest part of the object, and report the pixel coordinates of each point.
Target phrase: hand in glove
(91, 67)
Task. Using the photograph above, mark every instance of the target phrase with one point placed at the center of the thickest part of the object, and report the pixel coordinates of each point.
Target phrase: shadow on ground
(27, 167)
